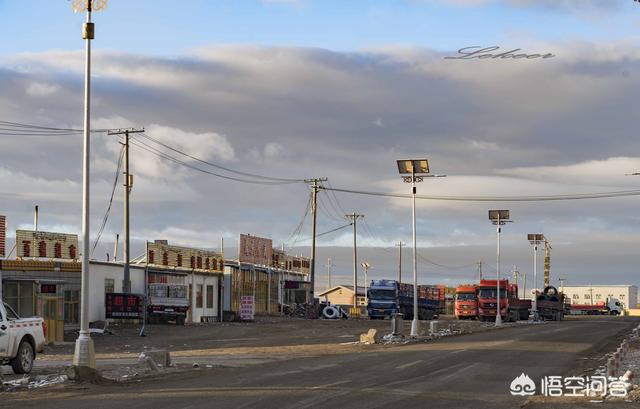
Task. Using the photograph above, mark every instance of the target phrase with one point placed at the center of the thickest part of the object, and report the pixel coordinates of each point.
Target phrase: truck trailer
(387, 297)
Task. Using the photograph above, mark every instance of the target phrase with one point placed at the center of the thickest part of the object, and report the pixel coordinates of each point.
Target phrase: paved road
(472, 371)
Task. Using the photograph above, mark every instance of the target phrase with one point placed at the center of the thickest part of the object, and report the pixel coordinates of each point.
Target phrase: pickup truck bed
(20, 339)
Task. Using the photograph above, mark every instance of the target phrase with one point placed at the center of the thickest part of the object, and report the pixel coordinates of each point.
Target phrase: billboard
(255, 250)
(162, 254)
(124, 306)
(42, 244)
(3, 235)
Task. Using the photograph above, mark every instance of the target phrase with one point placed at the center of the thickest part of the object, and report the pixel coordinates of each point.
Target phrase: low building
(594, 294)
(343, 295)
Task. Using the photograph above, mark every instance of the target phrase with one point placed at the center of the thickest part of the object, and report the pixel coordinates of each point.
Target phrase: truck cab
(512, 308)
(382, 297)
(20, 339)
(466, 301)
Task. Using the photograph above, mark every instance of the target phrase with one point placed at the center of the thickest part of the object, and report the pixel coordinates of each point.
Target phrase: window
(20, 296)
(151, 256)
(42, 249)
(57, 250)
(198, 295)
(26, 248)
(109, 285)
(598, 296)
(193, 262)
(587, 296)
(576, 296)
(621, 296)
(165, 258)
(72, 306)
(72, 251)
(199, 262)
(207, 263)
(179, 260)
(210, 296)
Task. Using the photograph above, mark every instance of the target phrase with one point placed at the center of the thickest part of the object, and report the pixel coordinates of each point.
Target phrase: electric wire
(293, 237)
(108, 211)
(578, 196)
(215, 165)
(144, 146)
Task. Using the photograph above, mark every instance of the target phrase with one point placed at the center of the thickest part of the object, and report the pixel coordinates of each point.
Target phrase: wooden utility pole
(314, 200)
(400, 244)
(128, 184)
(354, 219)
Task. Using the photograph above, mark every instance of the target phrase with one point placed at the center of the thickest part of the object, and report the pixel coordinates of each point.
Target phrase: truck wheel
(23, 362)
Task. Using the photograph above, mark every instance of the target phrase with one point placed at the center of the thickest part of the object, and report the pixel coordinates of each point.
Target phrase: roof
(339, 286)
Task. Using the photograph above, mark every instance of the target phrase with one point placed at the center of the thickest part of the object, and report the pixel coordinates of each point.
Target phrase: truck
(387, 297)
(612, 306)
(512, 308)
(20, 339)
(550, 304)
(466, 301)
(167, 302)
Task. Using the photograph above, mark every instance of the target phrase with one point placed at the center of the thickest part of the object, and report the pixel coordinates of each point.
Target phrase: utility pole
(354, 218)
(128, 184)
(479, 271)
(314, 201)
(329, 273)
(400, 261)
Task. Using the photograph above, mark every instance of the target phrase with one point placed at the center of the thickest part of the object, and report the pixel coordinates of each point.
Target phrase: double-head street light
(84, 357)
(535, 239)
(414, 171)
(498, 218)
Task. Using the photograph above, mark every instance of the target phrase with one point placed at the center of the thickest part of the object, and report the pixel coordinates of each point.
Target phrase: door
(53, 316)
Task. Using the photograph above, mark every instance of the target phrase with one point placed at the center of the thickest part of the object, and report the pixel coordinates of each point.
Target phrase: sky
(337, 89)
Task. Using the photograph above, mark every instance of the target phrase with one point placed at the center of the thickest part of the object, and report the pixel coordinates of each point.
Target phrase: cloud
(537, 127)
(42, 89)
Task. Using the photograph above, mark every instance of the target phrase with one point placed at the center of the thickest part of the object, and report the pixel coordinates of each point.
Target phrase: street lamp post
(418, 169)
(366, 266)
(84, 356)
(498, 218)
(535, 239)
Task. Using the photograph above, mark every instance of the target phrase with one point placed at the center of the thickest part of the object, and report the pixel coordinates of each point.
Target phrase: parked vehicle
(20, 339)
(550, 303)
(466, 301)
(512, 308)
(168, 302)
(387, 297)
(611, 306)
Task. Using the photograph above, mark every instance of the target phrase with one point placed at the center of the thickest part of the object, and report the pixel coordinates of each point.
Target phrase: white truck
(20, 339)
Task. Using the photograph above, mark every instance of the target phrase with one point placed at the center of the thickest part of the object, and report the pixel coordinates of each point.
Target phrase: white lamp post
(418, 169)
(498, 218)
(84, 356)
(535, 239)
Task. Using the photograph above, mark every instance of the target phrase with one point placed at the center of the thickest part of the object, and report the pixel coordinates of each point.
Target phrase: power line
(144, 146)
(296, 233)
(215, 165)
(578, 196)
(108, 211)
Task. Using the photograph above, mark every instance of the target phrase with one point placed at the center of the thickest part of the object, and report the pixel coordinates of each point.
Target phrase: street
(468, 371)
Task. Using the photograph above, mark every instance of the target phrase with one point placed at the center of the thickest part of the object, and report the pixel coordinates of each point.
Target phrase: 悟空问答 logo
(523, 386)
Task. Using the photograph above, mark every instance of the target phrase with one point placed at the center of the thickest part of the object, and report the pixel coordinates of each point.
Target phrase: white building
(594, 294)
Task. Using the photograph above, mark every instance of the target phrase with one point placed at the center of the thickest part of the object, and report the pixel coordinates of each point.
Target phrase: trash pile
(33, 382)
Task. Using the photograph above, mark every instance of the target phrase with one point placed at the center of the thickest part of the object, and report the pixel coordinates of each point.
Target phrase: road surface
(471, 371)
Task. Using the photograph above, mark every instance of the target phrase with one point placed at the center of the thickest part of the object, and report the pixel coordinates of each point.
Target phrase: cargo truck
(387, 297)
(466, 301)
(550, 303)
(512, 308)
(168, 298)
(609, 307)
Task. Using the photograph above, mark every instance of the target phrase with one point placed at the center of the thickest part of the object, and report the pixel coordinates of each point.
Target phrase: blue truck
(387, 297)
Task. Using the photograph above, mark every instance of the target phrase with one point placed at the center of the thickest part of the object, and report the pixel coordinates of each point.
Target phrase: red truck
(466, 301)
(512, 308)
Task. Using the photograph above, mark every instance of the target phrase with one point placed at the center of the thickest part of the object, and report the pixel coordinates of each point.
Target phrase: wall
(196, 313)
(98, 272)
(339, 296)
(627, 294)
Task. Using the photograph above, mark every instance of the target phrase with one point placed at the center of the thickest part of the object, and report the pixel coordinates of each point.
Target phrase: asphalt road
(471, 371)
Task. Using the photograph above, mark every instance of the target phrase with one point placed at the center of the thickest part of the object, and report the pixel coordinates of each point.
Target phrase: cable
(329, 232)
(296, 233)
(22, 125)
(445, 266)
(215, 165)
(148, 148)
(330, 213)
(108, 211)
(335, 197)
(579, 196)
